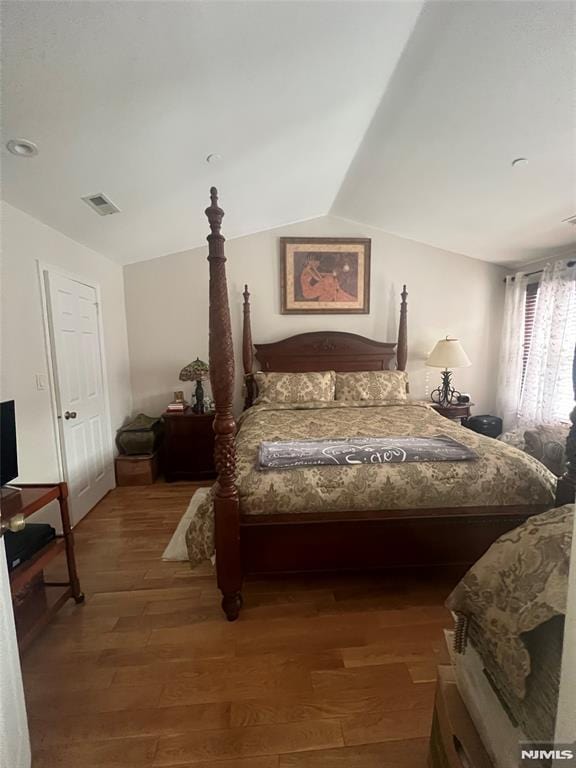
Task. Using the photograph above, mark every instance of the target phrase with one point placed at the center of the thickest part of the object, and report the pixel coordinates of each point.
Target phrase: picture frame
(325, 275)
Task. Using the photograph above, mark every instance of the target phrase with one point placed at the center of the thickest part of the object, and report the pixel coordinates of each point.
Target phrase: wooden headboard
(322, 350)
(326, 351)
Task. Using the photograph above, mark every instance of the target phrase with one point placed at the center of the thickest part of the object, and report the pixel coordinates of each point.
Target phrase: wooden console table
(15, 507)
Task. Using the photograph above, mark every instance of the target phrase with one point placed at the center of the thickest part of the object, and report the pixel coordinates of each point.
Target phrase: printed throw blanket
(284, 454)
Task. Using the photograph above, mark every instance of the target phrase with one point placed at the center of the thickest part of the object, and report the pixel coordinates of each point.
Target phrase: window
(557, 368)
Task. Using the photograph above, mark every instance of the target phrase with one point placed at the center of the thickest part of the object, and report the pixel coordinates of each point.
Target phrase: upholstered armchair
(547, 443)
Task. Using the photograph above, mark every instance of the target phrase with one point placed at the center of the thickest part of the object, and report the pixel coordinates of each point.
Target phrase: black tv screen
(8, 455)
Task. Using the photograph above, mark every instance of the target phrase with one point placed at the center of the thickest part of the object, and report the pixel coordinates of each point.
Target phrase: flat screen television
(8, 454)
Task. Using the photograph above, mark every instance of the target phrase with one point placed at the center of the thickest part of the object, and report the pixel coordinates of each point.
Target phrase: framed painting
(325, 275)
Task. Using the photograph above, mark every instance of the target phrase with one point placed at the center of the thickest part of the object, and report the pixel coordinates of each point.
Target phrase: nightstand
(188, 446)
(455, 412)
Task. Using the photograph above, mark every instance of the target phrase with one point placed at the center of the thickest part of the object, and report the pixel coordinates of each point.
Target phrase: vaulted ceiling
(400, 115)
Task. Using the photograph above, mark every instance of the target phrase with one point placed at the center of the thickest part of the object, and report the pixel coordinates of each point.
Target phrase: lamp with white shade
(448, 353)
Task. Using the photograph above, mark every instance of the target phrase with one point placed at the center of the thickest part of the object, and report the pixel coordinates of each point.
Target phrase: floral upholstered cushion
(295, 387)
(371, 385)
(547, 443)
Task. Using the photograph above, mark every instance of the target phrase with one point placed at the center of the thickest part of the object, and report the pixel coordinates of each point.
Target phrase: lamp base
(199, 406)
(445, 394)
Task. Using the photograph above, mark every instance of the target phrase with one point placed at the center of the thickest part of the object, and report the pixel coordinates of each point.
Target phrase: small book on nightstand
(177, 406)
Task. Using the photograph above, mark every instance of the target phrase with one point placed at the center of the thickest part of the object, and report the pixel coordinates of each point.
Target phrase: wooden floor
(318, 673)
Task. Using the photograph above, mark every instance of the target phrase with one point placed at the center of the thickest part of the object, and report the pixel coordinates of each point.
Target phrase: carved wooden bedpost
(247, 351)
(226, 503)
(566, 488)
(402, 350)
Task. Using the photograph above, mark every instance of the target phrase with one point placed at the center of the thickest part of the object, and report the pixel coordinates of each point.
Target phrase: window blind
(564, 393)
(529, 312)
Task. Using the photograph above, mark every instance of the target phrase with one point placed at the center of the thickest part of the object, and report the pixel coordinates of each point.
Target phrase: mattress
(499, 735)
(535, 712)
(500, 476)
(510, 611)
(502, 719)
(513, 601)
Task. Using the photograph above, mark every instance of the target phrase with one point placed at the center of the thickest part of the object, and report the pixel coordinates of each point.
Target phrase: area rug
(176, 549)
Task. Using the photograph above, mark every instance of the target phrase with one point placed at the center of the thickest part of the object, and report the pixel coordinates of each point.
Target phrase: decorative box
(136, 470)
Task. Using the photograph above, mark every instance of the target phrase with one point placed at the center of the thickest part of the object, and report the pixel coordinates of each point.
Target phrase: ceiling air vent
(570, 220)
(101, 204)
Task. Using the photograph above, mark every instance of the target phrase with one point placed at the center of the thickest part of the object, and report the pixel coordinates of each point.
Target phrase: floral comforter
(502, 475)
(518, 585)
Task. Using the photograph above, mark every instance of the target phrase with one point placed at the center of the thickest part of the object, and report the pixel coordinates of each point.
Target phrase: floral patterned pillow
(294, 387)
(371, 385)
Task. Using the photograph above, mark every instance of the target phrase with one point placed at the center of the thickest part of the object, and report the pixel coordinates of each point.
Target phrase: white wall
(167, 308)
(23, 350)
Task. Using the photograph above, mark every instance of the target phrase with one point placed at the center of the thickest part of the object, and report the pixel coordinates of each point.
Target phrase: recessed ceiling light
(22, 148)
(213, 157)
(519, 161)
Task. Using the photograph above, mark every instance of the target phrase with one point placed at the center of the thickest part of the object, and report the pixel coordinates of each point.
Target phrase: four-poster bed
(267, 538)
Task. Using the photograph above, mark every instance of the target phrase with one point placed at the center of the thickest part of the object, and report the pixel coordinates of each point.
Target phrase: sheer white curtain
(547, 396)
(511, 351)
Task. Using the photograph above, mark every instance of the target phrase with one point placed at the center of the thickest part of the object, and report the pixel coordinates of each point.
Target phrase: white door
(14, 742)
(81, 402)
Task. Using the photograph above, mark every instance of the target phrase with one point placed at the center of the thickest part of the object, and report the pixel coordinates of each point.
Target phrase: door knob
(70, 415)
